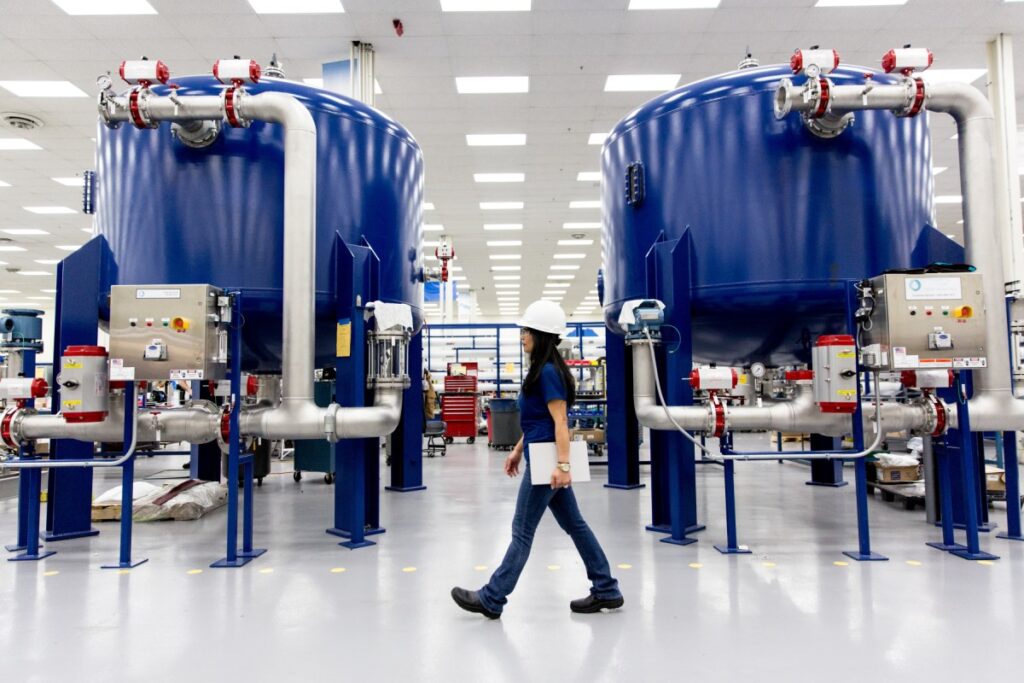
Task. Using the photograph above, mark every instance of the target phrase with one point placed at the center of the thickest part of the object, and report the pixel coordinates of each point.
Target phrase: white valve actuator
(144, 72)
(814, 62)
(714, 379)
(236, 71)
(907, 60)
(23, 388)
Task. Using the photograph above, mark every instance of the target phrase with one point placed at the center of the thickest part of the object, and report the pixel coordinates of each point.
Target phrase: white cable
(661, 397)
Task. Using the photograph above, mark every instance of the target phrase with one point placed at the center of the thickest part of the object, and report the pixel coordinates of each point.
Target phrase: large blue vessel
(781, 219)
(174, 214)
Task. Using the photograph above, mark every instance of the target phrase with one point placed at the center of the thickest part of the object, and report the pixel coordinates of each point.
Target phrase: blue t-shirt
(534, 417)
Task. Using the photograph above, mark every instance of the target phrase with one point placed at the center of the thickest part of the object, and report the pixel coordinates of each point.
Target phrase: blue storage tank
(780, 219)
(177, 215)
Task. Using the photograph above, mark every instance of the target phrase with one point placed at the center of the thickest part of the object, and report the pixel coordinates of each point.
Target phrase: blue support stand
(127, 485)
(948, 542)
(407, 439)
(26, 483)
(33, 484)
(622, 429)
(234, 557)
(731, 546)
(1012, 467)
(973, 550)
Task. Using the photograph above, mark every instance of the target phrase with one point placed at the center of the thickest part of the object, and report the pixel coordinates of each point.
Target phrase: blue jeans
(530, 506)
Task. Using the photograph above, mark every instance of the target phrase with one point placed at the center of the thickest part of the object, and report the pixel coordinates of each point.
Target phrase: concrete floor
(311, 610)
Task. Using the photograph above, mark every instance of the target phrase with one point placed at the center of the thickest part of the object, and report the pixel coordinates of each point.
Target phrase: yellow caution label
(71, 403)
(344, 340)
(848, 393)
(846, 354)
(73, 365)
(743, 379)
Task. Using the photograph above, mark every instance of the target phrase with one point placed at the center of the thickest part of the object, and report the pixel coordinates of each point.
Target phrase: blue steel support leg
(973, 550)
(621, 427)
(1012, 467)
(24, 484)
(863, 552)
(32, 552)
(731, 547)
(248, 466)
(948, 542)
(127, 485)
(234, 558)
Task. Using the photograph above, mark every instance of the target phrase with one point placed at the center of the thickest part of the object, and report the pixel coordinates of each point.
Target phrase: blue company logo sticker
(915, 285)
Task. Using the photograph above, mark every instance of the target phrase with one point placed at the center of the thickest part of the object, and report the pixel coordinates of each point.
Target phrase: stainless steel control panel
(934, 320)
(177, 332)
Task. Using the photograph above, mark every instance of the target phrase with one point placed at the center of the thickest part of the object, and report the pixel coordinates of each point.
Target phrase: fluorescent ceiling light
(457, 278)
(17, 145)
(499, 177)
(589, 176)
(296, 6)
(506, 268)
(48, 291)
(641, 82)
(570, 256)
(96, 7)
(47, 261)
(858, 3)
(951, 75)
(949, 199)
(950, 235)
(88, 230)
(561, 277)
(575, 243)
(69, 247)
(500, 206)
(496, 140)
(581, 226)
(3, 184)
(504, 243)
(377, 90)
(73, 181)
(10, 247)
(34, 272)
(485, 5)
(10, 291)
(507, 277)
(428, 206)
(481, 85)
(49, 209)
(565, 267)
(496, 227)
(433, 227)
(936, 170)
(597, 138)
(585, 204)
(673, 4)
(25, 231)
(506, 257)
(42, 89)
(593, 291)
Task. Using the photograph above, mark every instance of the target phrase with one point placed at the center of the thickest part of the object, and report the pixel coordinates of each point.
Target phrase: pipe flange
(936, 417)
(389, 382)
(10, 427)
(224, 432)
(828, 126)
(785, 93)
(916, 96)
(232, 100)
(138, 108)
(197, 134)
(716, 416)
(817, 94)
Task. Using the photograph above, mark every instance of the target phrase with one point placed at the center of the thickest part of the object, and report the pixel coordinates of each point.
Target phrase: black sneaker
(470, 601)
(590, 604)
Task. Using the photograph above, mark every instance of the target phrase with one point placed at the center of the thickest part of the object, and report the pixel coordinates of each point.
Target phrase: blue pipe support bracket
(127, 486)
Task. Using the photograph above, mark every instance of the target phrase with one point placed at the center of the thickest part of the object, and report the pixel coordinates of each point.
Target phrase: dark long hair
(545, 350)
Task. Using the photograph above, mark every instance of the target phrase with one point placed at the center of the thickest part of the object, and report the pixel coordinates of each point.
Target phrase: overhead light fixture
(11, 247)
(506, 257)
(17, 145)
(949, 199)
(72, 181)
(25, 231)
(936, 170)
(950, 235)
(589, 176)
(501, 206)
(48, 291)
(428, 206)
(597, 138)
(585, 204)
(47, 261)
(499, 177)
(10, 291)
(104, 7)
(482, 85)
(49, 210)
(567, 266)
(504, 243)
(3, 184)
(951, 75)
(88, 230)
(496, 139)
(641, 82)
(34, 272)
(570, 256)
(575, 243)
(485, 5)
(69, 247)
(561, 277)
(858, 3)
(498, 227)
(457, 278)
(581, 226)
(433, 227)
(673, 4)
(296, 6)
(42, 89)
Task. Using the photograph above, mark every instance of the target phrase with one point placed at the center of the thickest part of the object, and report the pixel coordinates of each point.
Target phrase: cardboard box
(588, 435)
(995, 479)
(898, 475)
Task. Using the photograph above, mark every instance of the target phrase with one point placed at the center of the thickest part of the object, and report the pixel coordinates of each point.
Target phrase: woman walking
(544, 401)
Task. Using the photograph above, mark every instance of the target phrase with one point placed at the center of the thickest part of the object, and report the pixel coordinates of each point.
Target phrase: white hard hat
(544, 316)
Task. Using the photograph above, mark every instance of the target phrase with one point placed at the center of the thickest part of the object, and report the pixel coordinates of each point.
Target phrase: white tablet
(543, 457)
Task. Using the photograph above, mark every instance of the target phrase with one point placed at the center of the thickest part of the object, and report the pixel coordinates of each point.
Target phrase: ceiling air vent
(18, 121)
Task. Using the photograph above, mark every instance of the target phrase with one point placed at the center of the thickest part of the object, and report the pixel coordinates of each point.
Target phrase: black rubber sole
(597, 606)
(476, 608)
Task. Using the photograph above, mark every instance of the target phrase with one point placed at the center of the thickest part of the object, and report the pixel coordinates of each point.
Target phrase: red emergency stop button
(180, 324)
(963, 312)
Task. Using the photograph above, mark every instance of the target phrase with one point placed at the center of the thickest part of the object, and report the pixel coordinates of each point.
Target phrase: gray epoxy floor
(786, 613)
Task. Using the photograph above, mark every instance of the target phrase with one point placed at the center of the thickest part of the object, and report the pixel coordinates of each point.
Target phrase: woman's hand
(512, 462)
(560, 479)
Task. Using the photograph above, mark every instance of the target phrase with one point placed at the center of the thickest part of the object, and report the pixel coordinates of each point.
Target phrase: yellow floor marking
(625, 566)
(193, 572)
(695, 565)
(124, 571)
(913, 563)
(768, 565)
(268, 570)
(986, 563)
(338, 570)
(554, 567)
(55, 572)
(480, 567)
(408, 570)
(840, 563)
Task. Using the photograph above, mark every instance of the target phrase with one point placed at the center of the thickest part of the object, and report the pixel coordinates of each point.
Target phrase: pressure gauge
(757, 370)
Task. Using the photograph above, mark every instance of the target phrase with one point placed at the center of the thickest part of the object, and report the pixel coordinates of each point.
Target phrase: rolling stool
(434, 431)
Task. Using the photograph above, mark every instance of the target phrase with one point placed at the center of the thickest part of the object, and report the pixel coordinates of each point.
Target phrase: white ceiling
(566, 47)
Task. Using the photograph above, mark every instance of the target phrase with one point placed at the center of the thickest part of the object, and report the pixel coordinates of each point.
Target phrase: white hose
(664, 404)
